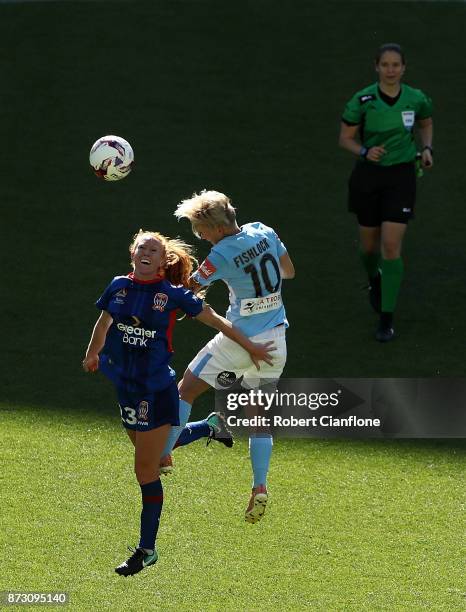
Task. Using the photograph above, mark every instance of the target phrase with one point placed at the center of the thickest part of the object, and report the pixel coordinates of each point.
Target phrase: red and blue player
(131, 345)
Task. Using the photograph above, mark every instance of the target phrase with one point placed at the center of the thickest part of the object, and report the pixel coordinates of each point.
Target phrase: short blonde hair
(179, 258)
(210, 208)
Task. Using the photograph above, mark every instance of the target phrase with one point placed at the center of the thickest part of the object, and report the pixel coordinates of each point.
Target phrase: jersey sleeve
(353, 112)
(104, 300)
(210, 270)
(188, 302)
(281, 248)
(117, 284)
(425, 108)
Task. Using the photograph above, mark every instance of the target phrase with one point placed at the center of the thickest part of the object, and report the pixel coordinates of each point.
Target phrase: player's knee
(184, 384)
(187, 387)
(146, 473)
(391, 250)
(372, 248)
(186, 395)
(182, 387)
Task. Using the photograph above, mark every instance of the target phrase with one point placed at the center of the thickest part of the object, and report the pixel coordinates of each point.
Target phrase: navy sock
(192, 432)
(152, 502)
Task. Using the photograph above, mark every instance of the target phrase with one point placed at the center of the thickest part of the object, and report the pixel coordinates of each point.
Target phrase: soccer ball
(111, 158)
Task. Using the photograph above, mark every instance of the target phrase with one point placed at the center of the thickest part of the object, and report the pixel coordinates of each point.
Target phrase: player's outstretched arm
(286, 266)
(97, 341)
(258, 352)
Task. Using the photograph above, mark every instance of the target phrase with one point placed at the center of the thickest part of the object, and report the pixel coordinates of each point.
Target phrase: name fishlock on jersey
(249, 263)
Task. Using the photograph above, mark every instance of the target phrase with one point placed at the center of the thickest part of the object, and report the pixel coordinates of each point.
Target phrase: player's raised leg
(189, 388)
(213, 427)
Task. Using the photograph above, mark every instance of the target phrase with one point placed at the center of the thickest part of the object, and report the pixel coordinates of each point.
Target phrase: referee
(378, 127)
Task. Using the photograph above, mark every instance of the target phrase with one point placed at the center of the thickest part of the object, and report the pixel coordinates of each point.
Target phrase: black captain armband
(363, 152)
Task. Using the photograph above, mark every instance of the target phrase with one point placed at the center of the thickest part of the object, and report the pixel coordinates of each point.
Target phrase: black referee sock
(386, 319)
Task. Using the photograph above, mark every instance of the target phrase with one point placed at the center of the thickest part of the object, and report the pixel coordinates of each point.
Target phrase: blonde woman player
(131, 344)
(252, 261)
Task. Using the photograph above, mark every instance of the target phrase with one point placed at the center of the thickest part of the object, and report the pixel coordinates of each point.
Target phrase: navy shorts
(143, 412)
(382, 193)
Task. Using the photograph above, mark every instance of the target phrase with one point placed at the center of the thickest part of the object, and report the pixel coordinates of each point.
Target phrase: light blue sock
(260, 451)
(185, 411)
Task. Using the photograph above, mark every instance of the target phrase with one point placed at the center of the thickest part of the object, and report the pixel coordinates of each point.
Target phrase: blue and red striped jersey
(138, 347)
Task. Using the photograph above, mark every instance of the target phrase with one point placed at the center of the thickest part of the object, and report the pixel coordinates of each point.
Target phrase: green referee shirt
(390, 126)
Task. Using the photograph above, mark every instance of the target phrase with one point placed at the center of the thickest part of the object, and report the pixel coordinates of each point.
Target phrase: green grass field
(351, 525)
(243, 97)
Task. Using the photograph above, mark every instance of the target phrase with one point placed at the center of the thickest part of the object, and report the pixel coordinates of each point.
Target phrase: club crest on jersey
(160, 301)
(143, 411)
(408, 119)
(207, 268)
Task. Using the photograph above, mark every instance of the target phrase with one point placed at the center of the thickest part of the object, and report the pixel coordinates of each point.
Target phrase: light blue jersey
(248, 262)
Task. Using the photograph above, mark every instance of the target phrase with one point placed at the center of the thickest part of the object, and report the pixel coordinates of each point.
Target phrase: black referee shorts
(382, 193)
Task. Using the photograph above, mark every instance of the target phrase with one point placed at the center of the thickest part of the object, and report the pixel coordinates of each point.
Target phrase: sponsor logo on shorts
(143, 411)
(408, 118)
(226, 379)
(160, 301)
(206, 269)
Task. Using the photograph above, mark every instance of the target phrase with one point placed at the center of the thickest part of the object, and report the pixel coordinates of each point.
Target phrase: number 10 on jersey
(260, 275)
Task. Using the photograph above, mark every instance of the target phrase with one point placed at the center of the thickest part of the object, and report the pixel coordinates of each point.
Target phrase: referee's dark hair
(390, 47)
